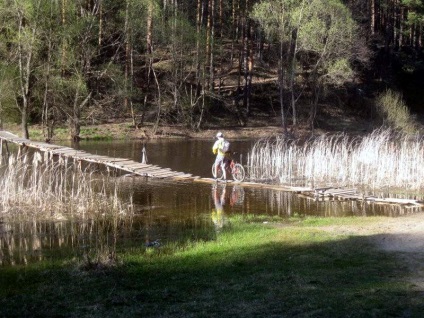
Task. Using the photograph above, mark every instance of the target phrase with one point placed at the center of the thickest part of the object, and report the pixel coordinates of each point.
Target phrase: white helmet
(219, 135)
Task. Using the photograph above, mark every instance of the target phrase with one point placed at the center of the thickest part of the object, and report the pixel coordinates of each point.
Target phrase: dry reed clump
(58, 189)
(381, 159)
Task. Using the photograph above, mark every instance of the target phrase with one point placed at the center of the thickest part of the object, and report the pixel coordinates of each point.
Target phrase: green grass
(249, 270)
(62, 133)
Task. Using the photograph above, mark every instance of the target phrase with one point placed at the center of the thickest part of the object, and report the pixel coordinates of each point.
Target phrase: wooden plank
(68, 152)
(151, 168)
(137, 165)
(337, 191)
(322, 190)
(114, 160)
(100, 159)
(159, 172)
(133, 165)
(186, 177)
(395, 200)
(164, 174)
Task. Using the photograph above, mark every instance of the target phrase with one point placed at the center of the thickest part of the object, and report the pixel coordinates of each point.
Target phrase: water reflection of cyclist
(221, 156)
(218, 212)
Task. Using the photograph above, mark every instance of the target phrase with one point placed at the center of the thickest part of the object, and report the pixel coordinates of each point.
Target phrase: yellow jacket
(217, 147)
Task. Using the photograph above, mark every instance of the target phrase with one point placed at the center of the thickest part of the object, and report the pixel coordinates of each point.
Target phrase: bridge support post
(1, 148)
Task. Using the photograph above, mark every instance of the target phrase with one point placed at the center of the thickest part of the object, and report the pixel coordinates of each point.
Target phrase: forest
(73, 62)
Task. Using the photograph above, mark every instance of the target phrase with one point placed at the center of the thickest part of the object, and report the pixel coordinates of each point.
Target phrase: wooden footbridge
(127, 165)
(152, 171)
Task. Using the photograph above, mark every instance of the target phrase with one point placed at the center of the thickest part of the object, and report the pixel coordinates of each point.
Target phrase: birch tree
(22, 17)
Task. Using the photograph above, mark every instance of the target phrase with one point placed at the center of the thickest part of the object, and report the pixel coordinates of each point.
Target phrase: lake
(167, 213)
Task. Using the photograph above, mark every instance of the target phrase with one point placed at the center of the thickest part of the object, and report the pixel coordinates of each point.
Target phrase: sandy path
(401, 235)
(405, 237)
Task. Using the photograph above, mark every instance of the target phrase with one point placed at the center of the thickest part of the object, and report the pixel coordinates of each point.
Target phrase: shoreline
(125, 130)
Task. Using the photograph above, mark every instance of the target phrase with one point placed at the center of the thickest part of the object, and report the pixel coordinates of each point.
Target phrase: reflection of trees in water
(93, 242)
(22, 242)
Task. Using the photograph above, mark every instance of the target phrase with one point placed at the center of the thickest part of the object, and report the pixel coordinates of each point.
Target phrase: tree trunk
(212, 39)
(128, 69)
(24, 122)
(292, 68)
(75, 125)
(25, 60)
(281, 88)
(246, 26)
(234, 26)
(46, 123)
(314, 106)
(64, 46)
(372, 16)
(198, 65)
(100, 36)
(159, 102)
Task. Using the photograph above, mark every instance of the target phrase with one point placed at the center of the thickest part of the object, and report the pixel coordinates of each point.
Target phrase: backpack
(226, 146)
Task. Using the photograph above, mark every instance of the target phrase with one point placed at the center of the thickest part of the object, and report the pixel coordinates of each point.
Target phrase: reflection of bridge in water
(153, 171)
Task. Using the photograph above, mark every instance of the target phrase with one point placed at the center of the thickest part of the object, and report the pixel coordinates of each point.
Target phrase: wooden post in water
(144, 155)
(6, 146)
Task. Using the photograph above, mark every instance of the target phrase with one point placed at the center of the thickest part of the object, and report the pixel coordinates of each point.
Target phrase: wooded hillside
(169, 61)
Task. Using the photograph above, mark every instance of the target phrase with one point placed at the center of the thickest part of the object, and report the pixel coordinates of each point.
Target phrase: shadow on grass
(274, 278)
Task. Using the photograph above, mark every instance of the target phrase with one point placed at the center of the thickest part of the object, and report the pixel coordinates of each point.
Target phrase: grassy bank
(250, 270)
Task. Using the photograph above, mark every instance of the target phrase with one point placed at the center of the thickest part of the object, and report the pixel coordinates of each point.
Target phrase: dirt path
(403, 236)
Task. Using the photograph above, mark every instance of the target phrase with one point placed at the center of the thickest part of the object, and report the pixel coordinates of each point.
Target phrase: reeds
(55, 188)
(381, 159)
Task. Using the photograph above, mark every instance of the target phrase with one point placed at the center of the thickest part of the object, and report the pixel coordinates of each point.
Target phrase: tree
(278, 20)
(414, 22)
(322, 32)
(328, 35)
(20, 20)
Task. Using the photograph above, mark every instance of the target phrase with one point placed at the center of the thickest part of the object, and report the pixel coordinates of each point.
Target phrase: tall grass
(55, 188)
(381, 159)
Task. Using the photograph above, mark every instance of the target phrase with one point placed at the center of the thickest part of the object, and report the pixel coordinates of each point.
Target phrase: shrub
(394, 112)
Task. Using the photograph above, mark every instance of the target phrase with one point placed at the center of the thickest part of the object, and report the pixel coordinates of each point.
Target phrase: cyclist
(221, 155)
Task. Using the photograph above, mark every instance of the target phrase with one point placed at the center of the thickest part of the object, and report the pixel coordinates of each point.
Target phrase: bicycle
(232, 167)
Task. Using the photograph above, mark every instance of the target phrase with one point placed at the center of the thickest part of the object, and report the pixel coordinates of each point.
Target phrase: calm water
(167, 212)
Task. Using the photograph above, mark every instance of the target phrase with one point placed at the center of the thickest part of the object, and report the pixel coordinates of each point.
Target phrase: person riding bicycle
(221, 155)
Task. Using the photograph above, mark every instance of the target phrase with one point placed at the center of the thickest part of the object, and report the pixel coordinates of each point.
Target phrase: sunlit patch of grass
(317, 221)
(94, 133)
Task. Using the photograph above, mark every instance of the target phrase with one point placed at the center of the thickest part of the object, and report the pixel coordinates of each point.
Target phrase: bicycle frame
(232, 168)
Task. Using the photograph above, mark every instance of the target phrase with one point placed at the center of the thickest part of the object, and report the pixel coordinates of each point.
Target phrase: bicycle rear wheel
(238, 172)
(220, 175)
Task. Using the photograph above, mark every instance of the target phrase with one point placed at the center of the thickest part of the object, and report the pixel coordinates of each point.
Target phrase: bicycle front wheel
(219, 175)
(238, 172)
